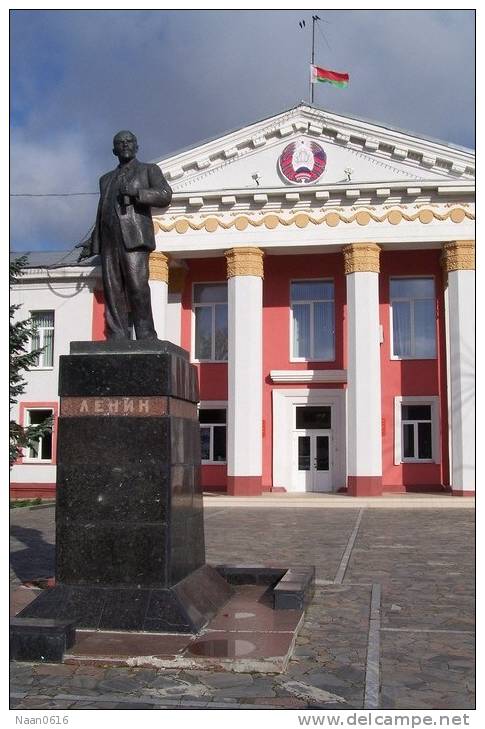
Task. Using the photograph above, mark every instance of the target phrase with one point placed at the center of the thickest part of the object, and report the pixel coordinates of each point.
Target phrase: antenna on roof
(302, 24)
(318, 74)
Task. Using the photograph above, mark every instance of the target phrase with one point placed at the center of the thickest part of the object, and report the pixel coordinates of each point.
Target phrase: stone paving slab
(422, 559)
(425, 567)
(427, 670)
(267, 535)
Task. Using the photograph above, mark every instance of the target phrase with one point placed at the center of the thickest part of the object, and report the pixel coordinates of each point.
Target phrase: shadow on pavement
(33, 557)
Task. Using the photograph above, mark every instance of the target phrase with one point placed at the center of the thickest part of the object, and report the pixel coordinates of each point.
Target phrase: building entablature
(301, 230)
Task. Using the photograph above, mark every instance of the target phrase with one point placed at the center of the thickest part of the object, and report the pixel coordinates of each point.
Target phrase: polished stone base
(291, 588)
(41, 639)
(247, 635)
(182, 608)
(249, 614)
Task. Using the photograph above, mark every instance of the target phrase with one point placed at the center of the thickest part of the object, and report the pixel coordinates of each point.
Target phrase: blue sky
(178, 77)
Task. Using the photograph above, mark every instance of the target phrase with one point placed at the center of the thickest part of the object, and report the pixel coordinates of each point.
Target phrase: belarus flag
(321, 75)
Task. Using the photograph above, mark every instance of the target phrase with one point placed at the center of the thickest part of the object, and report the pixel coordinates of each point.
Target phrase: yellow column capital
(158, 267)
(244, 261)
(458, 255)
(361, 257)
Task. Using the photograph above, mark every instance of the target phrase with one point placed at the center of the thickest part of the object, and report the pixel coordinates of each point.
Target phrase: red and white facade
(320, 271)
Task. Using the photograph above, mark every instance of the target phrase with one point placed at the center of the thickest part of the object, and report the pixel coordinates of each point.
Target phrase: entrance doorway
(313, 448)
(313, 460)
(317, 462)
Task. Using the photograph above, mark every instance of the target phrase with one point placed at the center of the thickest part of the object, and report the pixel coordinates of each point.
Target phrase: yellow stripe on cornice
(332, 218)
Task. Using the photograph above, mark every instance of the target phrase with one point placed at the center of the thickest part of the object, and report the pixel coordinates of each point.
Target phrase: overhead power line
(50, 194)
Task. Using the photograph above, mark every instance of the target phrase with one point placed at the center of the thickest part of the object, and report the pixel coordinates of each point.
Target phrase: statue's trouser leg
(135, 268)
(116, 312)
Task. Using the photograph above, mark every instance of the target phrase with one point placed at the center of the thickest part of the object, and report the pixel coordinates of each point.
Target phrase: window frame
(433, 401)
(213, 405)
(41, 332)
(307, 429)
(311, 303)
(194, 323)
(24, 419)
(398, 357)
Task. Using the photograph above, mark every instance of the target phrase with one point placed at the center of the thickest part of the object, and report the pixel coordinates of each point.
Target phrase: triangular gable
(276, 152)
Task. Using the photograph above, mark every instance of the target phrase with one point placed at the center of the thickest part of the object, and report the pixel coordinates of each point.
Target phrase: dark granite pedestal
(130, 549)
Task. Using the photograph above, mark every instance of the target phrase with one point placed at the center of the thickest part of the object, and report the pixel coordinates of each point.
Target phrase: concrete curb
(36, 506)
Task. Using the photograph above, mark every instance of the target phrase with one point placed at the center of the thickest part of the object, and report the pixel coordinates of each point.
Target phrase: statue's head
(125, 146)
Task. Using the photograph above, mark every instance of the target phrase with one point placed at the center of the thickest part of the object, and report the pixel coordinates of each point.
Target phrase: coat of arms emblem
(302, 162)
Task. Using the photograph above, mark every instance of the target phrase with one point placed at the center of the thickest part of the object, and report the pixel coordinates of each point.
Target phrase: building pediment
(306, 146)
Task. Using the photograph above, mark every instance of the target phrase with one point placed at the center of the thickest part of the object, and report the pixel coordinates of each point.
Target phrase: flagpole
(302, 24)
(315, 19)
(313, 59)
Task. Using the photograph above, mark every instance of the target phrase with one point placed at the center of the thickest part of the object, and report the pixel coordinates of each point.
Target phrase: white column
(364, 453)
(174, 318)
(158, 282)
(176, 283)
(459, 263)
(245, 352)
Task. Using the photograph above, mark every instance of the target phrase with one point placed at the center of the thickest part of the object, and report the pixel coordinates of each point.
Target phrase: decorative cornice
(158, 266)
(244, 262)
(458, 255)
(457, 214)
(308, 375)
(335, 190)
(176, 280)
(361, 257)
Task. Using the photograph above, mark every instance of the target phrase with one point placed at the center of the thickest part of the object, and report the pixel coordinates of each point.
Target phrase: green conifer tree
(21, 359)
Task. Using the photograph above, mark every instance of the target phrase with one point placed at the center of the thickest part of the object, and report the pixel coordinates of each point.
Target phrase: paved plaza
(391, 624)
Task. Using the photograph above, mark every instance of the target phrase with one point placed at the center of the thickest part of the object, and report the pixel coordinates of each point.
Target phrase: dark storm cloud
(177, 77)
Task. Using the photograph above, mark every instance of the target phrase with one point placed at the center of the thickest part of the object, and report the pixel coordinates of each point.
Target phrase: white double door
(312, 460)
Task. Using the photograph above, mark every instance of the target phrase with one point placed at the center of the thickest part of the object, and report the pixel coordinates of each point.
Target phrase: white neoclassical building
(320, 271)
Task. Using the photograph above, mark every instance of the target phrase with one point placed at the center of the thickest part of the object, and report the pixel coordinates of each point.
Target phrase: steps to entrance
(338, 501)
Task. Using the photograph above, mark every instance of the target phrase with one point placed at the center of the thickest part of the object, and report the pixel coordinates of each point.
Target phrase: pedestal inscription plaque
(130, 549)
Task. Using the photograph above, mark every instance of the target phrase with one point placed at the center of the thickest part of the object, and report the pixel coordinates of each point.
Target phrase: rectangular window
(313, 320)
(311, 417)
(210, 309)
(40, 450)
(213, 435)
(413, 316)
(43, 338)
(416, 432)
